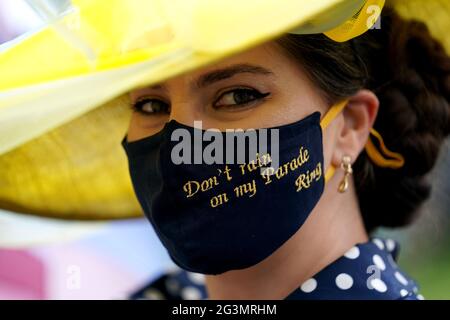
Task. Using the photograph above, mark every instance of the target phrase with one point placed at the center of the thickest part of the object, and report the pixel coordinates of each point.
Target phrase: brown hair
(409, 71)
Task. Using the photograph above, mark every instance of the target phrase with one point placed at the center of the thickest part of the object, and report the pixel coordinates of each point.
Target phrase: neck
(333, 227)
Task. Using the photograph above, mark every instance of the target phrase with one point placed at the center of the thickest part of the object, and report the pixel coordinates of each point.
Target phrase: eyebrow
(228, 72)
(224, 73)
(157, 86)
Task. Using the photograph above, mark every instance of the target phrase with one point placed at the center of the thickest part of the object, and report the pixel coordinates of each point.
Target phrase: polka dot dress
(366, 271)
(175, 285)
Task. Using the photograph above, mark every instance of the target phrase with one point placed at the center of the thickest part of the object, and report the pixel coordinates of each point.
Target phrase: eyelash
(258, 96)
(138, 105)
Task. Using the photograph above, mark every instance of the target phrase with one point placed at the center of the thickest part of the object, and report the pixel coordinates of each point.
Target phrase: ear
(359, 116)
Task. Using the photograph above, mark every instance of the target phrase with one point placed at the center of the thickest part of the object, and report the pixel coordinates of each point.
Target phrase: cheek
(142, 126)
(329, 144)
(294, 99)
(287, 106)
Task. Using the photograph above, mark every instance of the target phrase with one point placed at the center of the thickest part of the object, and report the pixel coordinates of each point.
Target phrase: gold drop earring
(346, 165)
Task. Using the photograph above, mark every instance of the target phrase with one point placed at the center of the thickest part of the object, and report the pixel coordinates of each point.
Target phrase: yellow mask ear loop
(380, 158)
(329, 173)
(332, 113)
(397, 160)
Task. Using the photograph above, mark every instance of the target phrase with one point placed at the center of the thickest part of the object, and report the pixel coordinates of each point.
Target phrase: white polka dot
(379, 243)
(378, 285)
(403, 292)
(415, 289)
(309, 285)
(420, 297)
(191, 293)
(401, 278)
(344, 281)
(353, 253)
(390, 245)
(153, 294)
(196, 278)
(379, 262)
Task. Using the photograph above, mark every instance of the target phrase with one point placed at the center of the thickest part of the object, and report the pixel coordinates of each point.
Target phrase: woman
(394, 79)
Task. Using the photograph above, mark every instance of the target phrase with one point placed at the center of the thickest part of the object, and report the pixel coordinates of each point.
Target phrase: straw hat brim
(61, 156)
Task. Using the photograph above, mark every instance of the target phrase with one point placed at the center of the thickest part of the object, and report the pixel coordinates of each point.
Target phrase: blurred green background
(425, 245)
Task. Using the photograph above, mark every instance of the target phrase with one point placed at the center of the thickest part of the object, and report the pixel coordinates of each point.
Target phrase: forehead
(267, 55)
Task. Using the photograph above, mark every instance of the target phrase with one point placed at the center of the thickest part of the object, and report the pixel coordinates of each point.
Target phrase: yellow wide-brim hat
(63, 102)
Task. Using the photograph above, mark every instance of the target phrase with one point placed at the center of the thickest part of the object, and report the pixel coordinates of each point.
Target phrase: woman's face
(259, 88)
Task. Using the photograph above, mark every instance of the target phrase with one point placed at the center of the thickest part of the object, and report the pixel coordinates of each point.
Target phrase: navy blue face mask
(214, 218)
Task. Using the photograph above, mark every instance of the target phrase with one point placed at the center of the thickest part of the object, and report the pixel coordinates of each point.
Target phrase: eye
(150, 106)
(239, 97)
